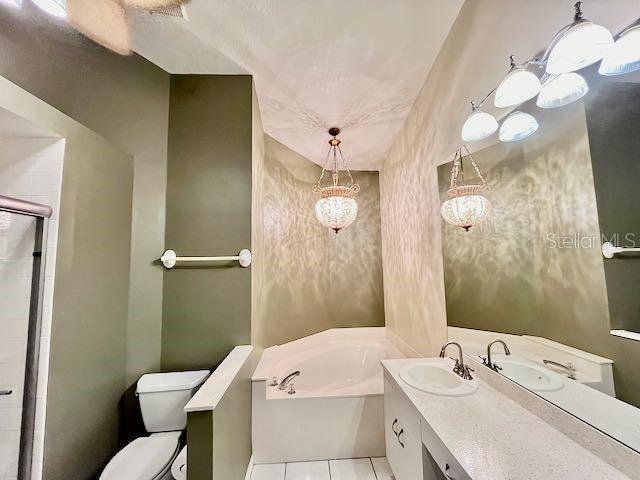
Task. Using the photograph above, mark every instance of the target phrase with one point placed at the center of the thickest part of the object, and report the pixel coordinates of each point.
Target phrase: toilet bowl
(162, 398)
(179, 466)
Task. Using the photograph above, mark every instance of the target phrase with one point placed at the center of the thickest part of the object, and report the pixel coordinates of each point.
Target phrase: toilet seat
(146, 458)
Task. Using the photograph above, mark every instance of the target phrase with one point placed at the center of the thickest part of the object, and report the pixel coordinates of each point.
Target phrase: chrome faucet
(487, 361)
(285, 382)
(460, 368)
(571, 370)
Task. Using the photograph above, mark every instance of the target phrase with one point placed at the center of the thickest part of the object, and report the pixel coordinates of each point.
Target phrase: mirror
(532, 273)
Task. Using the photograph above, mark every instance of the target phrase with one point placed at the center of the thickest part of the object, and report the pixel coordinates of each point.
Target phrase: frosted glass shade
(624, 57)
(562, 90)
(467, 206)
(336, 209)
(583, 44)
(13, 3)
(517, 87)
(478, 126)
(517, 126)
(56, 8)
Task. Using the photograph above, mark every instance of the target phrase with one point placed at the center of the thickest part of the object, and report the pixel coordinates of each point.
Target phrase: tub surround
(337, 410)
(489, 437)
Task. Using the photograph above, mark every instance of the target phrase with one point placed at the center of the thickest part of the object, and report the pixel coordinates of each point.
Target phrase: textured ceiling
(355, 64)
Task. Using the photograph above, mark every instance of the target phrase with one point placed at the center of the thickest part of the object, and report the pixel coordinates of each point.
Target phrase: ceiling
(356, 64)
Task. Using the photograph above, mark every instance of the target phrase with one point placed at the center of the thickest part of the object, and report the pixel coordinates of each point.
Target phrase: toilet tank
(163, 396)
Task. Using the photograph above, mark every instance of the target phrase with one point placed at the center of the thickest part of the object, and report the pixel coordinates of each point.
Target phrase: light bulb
(562, 90)
(56, 8)
(624, 57)
(517, 126)
(518, 86)
(478, 126)
(582, 44)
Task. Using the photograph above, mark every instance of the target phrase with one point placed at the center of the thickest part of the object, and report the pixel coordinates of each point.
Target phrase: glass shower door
(20, 263)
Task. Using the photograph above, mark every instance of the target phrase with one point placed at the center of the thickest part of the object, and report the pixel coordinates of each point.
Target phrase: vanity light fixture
(518, 86)
(577, 45)
(624, 57)
(336, 209)
(56, 8)
(468, 204)
(517, 126)
(561, 90)
(479, 125)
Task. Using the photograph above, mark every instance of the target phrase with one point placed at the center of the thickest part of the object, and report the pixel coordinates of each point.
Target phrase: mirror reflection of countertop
(495, 438)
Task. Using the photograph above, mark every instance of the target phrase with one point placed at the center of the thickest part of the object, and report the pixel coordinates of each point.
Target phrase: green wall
(207, 310)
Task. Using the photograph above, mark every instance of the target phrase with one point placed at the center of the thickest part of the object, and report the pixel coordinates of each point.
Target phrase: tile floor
(349, 469)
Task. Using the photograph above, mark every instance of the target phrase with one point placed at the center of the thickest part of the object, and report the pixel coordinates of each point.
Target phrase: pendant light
(56, 8)
(624, 57)
(561, 90)
(468, 205)
(517, 126)
(336, 209)
(578, 45)
(479, 125)
(518, 86)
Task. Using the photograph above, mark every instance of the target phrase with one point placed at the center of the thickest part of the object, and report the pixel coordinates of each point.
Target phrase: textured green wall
(207, 309)
(303, 263)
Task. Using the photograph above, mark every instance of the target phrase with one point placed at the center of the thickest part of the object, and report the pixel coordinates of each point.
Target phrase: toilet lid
(144, 458)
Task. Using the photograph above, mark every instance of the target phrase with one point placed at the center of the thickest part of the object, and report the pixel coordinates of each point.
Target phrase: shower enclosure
(23, 232)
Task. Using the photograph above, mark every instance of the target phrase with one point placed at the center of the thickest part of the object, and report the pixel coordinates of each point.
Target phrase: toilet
(179, 467)
(162, 399)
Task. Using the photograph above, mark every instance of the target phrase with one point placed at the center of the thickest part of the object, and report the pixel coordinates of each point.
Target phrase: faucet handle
(466, 372)
(292, 389)
(273, 382)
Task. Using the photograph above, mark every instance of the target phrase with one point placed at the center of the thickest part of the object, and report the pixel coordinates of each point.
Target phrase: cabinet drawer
(441, 455)
(402, 433)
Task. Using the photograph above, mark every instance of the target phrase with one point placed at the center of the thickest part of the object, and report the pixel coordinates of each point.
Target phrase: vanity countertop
(494, 438)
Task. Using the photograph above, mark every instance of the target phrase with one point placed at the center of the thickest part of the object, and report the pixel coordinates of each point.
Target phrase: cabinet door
(402, 433)
(439, 456)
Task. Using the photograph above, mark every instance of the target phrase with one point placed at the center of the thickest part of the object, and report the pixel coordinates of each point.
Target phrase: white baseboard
(249, 469)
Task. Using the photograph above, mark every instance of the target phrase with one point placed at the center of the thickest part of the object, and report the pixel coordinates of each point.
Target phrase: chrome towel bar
(609, 250)
(169, 258)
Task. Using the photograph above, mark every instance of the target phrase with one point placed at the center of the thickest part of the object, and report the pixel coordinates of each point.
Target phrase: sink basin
(529, 375)
(438, 378)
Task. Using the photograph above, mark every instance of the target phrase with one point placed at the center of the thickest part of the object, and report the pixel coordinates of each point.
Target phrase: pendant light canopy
(336, 209)
(468, 205)
(478, 126)
(517, 126)
(578, 45)
(517, 87)
(624, 57)
(56, 8)
(562, 90)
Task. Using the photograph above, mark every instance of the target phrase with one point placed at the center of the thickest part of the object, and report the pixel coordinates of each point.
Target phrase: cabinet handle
(446, 469)
(6, 392)
(393, 427)
(399, 434)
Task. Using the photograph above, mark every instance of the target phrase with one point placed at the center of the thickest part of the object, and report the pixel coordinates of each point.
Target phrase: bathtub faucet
(284, 383)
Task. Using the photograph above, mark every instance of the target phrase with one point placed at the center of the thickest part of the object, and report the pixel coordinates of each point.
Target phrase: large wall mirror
(533, 274)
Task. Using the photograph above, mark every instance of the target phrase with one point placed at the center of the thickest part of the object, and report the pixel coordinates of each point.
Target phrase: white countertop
(494, 438)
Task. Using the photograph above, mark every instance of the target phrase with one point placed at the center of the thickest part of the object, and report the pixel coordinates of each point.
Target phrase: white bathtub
(337, 410)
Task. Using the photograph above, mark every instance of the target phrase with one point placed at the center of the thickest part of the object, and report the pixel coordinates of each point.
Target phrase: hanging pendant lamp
(336, 209)
(562, 90)
(468, 205)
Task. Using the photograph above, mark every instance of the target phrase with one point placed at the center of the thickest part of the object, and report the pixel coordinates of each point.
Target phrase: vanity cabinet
(402, 433)
(407, 434)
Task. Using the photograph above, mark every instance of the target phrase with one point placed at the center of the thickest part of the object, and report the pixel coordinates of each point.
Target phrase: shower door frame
(41, 213)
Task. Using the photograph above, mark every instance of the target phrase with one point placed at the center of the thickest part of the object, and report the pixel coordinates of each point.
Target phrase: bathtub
(337, 408)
